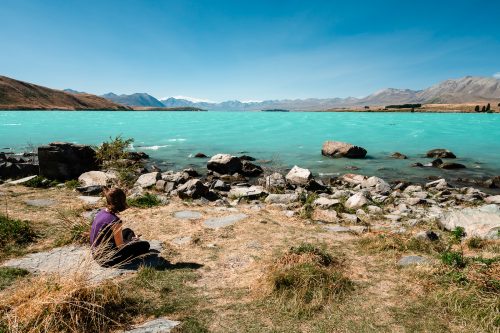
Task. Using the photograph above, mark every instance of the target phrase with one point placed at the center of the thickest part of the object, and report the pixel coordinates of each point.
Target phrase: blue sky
(247, 50)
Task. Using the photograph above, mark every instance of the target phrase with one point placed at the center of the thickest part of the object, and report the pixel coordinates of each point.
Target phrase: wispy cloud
(496, 75)
(192, 99)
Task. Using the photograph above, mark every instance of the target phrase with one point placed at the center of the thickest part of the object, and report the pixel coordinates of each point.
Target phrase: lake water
(287, 138)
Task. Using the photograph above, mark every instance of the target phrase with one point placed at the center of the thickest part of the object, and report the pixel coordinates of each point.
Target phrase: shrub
(72, 184)
(306, 279)
(307, 205)
(110, 152)
(40, 182)
(147, 200)
(458, 233)
(454, 258)
(476, 108)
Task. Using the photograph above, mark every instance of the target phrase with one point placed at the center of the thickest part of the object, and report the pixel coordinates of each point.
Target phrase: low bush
(40, 182)
(72, 184)
(147, 200)
(307, 209)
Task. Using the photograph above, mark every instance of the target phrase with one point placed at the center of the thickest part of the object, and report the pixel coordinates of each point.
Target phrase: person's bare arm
(117, 233)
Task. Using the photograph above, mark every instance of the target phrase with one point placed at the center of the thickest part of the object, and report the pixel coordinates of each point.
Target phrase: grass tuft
(306, 279)
(9, 275)
(147, 200)
(14, 235)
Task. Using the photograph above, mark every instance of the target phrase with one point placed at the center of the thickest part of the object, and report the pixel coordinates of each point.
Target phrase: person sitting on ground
(111, 244)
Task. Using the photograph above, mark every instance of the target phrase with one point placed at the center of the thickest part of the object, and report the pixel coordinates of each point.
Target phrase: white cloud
(496, 75)
(252, 101)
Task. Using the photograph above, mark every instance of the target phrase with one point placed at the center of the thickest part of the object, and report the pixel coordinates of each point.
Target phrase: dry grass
(53, 303)
(306, 279)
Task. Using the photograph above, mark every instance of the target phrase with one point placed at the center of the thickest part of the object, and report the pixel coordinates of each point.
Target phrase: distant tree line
(403, 106)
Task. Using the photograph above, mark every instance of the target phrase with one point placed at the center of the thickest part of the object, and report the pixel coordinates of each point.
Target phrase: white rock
(325, 202)
(439, 184)
(22, 180)
(282, 198)
(495, 199)
(374, 209)
(353, 179)
(325, 215)
(413, 188)
(148, 179)
(356, 201)
(377, 184)
(246, 192)
(482, 222)
(299, 176)
(351, 218)
(96, 178)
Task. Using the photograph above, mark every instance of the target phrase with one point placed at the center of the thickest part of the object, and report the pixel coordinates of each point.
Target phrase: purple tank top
(102, 223)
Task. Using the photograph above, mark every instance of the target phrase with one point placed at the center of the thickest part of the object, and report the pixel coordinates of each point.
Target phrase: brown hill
(19, 95)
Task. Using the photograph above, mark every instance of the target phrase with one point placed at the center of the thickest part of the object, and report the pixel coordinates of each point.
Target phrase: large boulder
(299, 176)
(96, 178)
(192, 189)
(342, 149)
(224, 164)
(482, 222)
(440, 153)
(65, 161)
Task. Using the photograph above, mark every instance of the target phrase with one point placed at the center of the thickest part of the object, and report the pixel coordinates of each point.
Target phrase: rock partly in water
(250, 170)
(342, 149)
(224, 164)
(451, 166)
(482, 222)
(399, 156)
(440, 153)
(299, 176)
(65, 161)
(200, 155)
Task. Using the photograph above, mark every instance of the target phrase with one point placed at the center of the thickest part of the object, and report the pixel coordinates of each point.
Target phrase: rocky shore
(369, 202)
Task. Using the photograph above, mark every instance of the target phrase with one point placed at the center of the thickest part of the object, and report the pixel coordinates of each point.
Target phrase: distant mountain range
(464, 90)
(19, 95)
(137, 99)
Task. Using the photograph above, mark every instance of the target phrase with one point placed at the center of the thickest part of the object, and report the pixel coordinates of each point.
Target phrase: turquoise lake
(292, 138)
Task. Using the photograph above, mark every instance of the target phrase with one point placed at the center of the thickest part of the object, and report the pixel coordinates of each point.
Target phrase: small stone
(324, 215)
(282, 198)
(40, 202)
(374, 209)
(220, 222)
(160, 185)
(325, 203)
(356, 201)
(161, 325)
(181, 240)
(412, 260)
(494, 199)
(90, 200)
(351, 218)
(188, 215)
(399, 156)
(299, 176)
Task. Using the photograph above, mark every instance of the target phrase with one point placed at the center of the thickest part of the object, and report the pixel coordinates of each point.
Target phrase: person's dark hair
(116, 199)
